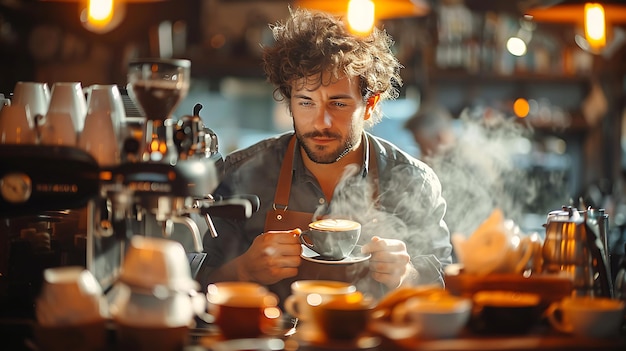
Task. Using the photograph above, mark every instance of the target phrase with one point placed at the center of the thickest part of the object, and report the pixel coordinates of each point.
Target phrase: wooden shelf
(461, 76)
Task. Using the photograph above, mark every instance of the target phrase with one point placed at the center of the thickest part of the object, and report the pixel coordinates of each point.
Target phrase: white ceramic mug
(107, 97)
(152, 262)
(17, 125)
(58, 129)
(332, 239)
(243, 309)
(158, 319)
(306, 294)
(586, 316)
(105, 113)
(70, 295)
(35, 95)
(68, 98)
(71, 311)
(140, 308)
(441, 316)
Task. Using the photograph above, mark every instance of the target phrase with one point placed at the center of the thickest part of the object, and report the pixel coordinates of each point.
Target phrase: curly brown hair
(310, 43)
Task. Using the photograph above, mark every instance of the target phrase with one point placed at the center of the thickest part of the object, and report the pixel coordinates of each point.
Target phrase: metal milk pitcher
(575, 245)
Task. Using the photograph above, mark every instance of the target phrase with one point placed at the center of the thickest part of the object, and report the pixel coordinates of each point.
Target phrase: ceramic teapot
(497, 246)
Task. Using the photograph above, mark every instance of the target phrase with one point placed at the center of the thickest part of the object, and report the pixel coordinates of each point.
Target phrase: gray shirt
(410, 206)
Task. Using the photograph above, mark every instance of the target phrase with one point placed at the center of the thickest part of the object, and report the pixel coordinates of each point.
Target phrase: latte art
(334, 225)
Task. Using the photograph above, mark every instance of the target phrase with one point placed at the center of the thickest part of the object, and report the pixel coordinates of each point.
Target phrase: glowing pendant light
(102, 16)
(361, 15)
(360, 12)
(597, 18)
(595, 25)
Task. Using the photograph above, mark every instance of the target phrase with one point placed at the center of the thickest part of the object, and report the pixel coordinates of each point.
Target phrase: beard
(323, 154)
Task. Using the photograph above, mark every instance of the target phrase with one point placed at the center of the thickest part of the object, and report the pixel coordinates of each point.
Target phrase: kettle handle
(600, 260)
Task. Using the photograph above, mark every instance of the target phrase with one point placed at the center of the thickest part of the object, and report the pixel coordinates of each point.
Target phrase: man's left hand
(390, 263)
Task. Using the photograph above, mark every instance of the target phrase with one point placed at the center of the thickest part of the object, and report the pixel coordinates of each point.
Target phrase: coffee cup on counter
(17, 125)
(592, 317)
(243, 309)
(71, 311)
(505, 312)
(332, 239)
(155, 299)
(307, 294)
(343, 317)
(146, 321)
(436, 316)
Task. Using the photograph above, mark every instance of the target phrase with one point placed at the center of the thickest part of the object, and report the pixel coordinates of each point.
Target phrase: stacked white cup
(65, 117)
(17, 119)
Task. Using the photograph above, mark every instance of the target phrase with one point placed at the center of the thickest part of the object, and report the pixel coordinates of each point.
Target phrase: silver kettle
(575, 244)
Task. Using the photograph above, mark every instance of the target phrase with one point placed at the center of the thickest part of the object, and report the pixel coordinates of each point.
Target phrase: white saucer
(260, 344)
(311, 337)
(355, 257)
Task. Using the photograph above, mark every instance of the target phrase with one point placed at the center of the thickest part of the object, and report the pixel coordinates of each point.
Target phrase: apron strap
(283, 188)
(373, 172)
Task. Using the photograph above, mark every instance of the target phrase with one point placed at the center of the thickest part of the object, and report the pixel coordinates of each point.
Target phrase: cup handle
(272, 325)
(556, 321)
(403, 326)
(304, 239)
(398, 313)
(291, 306)
(527, 246)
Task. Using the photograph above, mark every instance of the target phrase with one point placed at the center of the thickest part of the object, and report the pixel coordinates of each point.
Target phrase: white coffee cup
(439, 316)
(142, 308)
(243, 309)
(153, 319)
(16, 125)
(35, 95)
(157, 262)
(595, 317)
(307, 294)
(105, 113)
(332, 239)
(58, 129)
(68, 98)
(70, 295)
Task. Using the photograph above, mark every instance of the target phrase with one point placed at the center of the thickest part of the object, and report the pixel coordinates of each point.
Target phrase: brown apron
(281, 218)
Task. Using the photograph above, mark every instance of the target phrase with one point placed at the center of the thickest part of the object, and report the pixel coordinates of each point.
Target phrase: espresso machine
(166, 178)
(162, 187)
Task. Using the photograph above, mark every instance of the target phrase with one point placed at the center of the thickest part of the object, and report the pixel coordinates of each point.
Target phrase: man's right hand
(272, 257)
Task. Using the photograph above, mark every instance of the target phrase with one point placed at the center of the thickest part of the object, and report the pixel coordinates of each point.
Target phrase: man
(332, 82)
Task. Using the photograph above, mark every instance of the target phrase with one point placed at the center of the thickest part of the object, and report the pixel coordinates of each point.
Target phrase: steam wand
(168, 226)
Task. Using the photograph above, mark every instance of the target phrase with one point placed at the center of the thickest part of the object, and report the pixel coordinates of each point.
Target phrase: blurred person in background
(332, 83)
(432, 129)
(473, 157)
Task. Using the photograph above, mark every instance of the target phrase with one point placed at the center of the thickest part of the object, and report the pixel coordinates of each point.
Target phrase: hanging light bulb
(361, 14)
(101, 16)
(595, 25)
(600, 22)
(516, 46)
